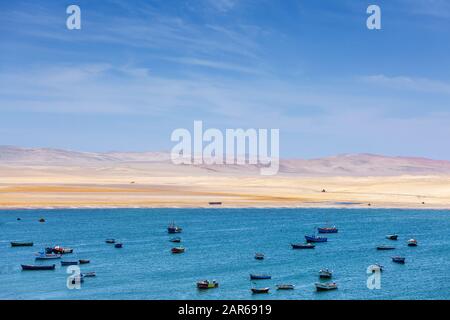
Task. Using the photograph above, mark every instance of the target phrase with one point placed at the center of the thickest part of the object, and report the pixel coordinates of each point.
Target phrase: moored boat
(392, 236)
(69, 263)
(259, 256)
(51, 256)
(206, 284)
(172, 228)
(176, 240)
(285, 287)
(61, 250)
(260, 277)
(325, 274)
(332, 229)
(21, 244)
(178, 250)
(110, 241)
(88, 274)
(302, 246)
(385, 248)
(412, 243)
(27, 267)
(326, 286)
(260, 290)
(118, 245)
(84, 261)
(314, 238)
(41, 220)
(400, 260)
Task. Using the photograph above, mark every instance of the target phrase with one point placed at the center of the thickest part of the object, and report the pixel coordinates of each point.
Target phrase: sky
(137, 70)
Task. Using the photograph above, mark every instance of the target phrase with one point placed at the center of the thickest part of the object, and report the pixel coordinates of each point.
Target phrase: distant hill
(340, 165)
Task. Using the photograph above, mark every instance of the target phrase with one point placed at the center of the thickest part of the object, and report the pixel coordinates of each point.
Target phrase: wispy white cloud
(409, 83)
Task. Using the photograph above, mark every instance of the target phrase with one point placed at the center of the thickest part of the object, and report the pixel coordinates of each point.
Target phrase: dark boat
(285, 287)
(392, 236)
(325, 274)
(328, 230)
(325, 286)
(176, 240)
(215, 203)
(385, 248)
(400, 260)
(303, 246)
(69, 263)
(27, 267)
(177, 250)
(21, 244)
(110, 241)
(172, 228)
(18, 219)
(260, 290)
(205, 284)
(313, 238)
(88, 275)
(259, 256)
(118, 245)
(41, 220)
(260, 277)
(84, 261)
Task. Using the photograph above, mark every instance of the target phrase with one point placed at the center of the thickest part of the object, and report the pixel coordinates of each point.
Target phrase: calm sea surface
(220, 244)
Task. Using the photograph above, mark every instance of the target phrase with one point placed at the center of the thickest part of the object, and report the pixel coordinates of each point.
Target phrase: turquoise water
(220, 244)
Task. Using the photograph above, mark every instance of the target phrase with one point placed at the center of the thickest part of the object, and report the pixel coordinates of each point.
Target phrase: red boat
(178, 250)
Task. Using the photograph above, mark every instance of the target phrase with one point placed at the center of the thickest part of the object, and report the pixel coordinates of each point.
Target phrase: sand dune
(43, 178)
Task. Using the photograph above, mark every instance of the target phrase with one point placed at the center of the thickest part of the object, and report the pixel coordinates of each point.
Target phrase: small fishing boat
(18, 219)
(172, 228)
(21, 244)
(84, 261)
(392, 237)
(260, 277)
(176, 240)
(27, 267)
(110, 241)
(412, 243)
(314, 238)
(69, 263)
(285, 287)
(41, 220)
(44, 256)
(205, 284)
(88, 274)
(400, 260)
(61, 250)
(260, 290)
(325, 274)
(118, 245)
(385, 248)
(259, 256)
(303, 246)
(177, 250)
(332, 229)
(326, 286)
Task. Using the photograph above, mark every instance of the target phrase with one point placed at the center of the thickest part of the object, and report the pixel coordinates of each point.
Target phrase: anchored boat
(205, 284)
(259, 256)
(51, 256)
(285, 287)
(21, 244)
(385, 248)
(260, 277)
(110, 241)
(260, 290)
(332, 229)
(326, 286)
(412, 243)
(392, 236)
(27, 267)
(314, 238)
(176, 240)
(400, 260)
(177, 250)
(69, 263)
(303, 246)
(172, 228)
(325, 274)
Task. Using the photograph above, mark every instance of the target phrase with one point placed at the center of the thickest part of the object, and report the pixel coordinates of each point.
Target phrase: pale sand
(62, 187)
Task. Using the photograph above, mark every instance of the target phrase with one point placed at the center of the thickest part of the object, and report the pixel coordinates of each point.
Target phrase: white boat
(412, 243)
(285, 287)
(325, 274)
(326, 286)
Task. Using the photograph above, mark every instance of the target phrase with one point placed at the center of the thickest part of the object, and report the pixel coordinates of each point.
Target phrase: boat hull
(21, 244)
(37, 268)
(258, 291)
(260, 277)
(311, 239)
(303, 246)
(327, 230)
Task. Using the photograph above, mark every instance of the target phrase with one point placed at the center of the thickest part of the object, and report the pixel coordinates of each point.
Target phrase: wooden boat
(392, 236)
(285, 287)
(400, 260)
(385, 248)
(61, 250)
(260, 290)
(27, 267)
(412, 243)
(110, 241)
(172, 228)
(259, 256)
(313, 239)
(118, 245)
(260, 277)
(51, 256)
(84, 261)
(177, 250)
(69, 263)
(325, 274)
(303, 246)
(325, 286)
(176, 240)
(327, 230)
(21, 244)
(205, 284)
(88, 274)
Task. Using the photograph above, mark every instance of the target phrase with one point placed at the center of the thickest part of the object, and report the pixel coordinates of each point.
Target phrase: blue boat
(260, 277)
(313, 238)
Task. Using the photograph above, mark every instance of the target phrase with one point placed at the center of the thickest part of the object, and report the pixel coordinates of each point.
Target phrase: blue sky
(137, 70)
